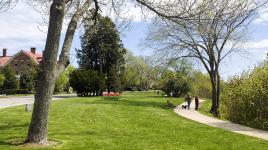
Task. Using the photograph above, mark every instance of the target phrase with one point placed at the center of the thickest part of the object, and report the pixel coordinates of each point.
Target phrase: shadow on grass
(126, 102)
(12, 125)
(64, 96)
(6, 143)
(73, 133)
(12, 142)
(159, 96)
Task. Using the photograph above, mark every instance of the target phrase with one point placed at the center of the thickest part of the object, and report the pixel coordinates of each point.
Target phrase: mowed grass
(137, 121)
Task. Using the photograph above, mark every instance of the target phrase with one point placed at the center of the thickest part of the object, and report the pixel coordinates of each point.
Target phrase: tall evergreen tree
(103, 51)
(10, 81)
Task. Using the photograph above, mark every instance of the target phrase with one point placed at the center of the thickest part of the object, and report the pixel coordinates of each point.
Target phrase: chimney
(4, 52)
(33, 49)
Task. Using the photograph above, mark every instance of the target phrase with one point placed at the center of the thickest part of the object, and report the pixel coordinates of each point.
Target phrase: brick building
(21, 60)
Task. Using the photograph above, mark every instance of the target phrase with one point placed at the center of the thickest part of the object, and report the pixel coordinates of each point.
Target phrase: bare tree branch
(64, 56)
(209, 36)
(7, 4)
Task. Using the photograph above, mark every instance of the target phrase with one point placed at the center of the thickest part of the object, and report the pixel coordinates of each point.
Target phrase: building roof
(4, 60)
(36, 57)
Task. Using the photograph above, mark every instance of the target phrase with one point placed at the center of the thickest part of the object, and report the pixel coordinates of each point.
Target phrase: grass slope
(137, 121)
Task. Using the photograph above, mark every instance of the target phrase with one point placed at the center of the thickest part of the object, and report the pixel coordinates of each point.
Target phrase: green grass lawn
(136, 121)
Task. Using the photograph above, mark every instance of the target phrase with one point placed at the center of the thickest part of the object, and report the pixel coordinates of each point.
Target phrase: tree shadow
(68, 133)
(156, 96)
(64, 96)
(12, 125)
(12, 142)
(126, 102)
(6, 143)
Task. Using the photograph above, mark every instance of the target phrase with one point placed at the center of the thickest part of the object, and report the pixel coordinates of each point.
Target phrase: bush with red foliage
(110, 96)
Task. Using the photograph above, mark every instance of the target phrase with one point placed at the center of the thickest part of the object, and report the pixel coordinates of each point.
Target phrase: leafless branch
(7, 4)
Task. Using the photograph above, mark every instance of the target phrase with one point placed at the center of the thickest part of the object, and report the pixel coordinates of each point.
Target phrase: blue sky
(255, 53)
(20, 29)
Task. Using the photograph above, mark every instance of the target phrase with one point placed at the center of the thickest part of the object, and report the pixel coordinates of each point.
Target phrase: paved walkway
(22, 100)
(196, 116)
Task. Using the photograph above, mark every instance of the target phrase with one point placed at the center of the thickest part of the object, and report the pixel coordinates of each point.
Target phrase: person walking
(196, 102)
(188, 99)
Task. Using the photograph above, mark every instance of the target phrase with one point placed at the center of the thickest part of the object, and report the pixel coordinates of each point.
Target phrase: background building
(21, 60)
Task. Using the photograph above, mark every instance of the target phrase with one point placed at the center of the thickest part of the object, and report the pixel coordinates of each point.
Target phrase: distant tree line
(25, 83)
(175, 78)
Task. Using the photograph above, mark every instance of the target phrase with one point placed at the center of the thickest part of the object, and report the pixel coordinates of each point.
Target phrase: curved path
(6, 102)
(198, 117)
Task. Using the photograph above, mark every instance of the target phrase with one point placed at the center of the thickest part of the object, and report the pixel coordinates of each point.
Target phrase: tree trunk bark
(218, 89)
(37, 132)
(140, 81)
(214, 106)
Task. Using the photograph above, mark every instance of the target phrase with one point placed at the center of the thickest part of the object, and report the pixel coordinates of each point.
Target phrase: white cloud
(19, 29)
(263, 16)
(262, 44)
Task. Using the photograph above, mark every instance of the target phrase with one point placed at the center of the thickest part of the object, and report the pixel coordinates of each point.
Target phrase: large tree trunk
(218, 89)
(215, 93)
(140, 81)
(37, 132)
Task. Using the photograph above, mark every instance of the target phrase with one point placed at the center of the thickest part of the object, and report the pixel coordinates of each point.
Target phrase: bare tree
(172, 9)
(209, 36)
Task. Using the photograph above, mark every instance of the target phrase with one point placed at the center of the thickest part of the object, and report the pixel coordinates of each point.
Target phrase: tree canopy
(10, 81)
(102, 51)
(208, 37)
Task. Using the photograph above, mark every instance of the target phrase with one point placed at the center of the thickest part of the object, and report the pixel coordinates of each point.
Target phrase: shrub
(177, 86)
(2, 79)
(87, 82)
(111, 96)
(15, 91)
(28, 80)
(201, 85)
(10, 81)
(245, 100)
(62, 82)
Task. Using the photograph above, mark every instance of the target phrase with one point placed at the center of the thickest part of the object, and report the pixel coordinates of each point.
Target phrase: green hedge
(245, 100)
(14, 91)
